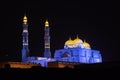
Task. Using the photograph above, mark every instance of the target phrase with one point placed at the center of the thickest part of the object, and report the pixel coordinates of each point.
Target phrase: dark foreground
(93, 71)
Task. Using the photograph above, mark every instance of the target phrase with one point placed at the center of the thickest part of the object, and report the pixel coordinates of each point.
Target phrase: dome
(86, 45)
(69, 42)
(78, 41)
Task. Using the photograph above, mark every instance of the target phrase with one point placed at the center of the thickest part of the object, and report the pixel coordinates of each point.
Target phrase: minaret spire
(69, 38)
(84, 40)
(47, 52)
(46, 23)
(77, 36)
(25, 49)
(25, 19)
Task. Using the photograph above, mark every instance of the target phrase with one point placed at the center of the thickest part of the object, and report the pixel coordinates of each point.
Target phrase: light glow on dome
(69, 42)
(86, 45)
(76, 43)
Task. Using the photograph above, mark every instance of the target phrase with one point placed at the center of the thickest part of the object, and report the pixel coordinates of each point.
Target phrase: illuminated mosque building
(76, 50)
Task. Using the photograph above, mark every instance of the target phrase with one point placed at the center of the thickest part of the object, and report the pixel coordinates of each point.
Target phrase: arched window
(65, 54)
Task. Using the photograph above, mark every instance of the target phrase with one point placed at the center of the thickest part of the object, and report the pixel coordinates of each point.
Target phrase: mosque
(74, 51)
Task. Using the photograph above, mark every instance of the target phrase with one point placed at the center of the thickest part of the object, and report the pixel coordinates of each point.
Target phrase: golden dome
(78, 41)
(69, 42)
(86, 45)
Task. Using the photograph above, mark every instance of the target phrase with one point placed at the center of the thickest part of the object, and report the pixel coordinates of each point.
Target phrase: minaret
(47, 52)
(25, 49)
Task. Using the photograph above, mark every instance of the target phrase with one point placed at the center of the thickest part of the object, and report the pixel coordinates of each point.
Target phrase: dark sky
(92, 21)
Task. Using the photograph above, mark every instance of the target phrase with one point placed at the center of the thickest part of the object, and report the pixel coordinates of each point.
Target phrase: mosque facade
(76, 50)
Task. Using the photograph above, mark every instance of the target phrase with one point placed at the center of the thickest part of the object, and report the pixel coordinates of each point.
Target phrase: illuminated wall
(40, 60)
(78, 55)
(77, 50)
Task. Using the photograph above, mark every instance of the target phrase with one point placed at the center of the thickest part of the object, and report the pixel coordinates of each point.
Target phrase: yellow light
(46, 23)
(25, 19)
(78, 41)
(86, 45)
(69, 42)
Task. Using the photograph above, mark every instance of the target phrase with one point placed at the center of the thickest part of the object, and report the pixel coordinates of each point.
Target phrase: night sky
(91, 21)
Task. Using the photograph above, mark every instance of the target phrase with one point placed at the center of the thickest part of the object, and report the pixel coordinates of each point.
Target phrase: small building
(18, 65)
(62, 64)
